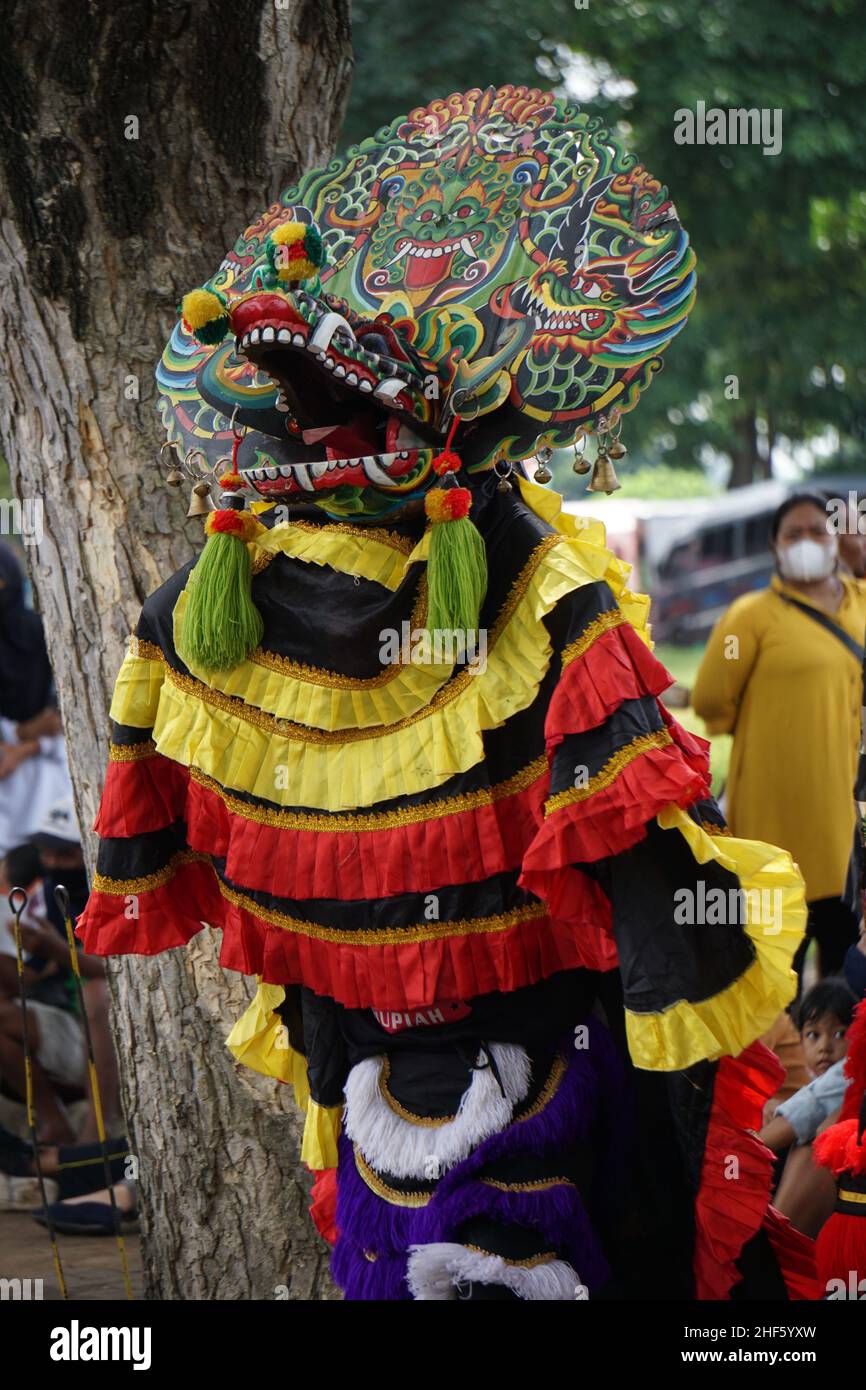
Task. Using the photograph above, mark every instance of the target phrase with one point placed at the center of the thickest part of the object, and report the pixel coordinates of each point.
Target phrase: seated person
(805, 1194)
(57, 1050)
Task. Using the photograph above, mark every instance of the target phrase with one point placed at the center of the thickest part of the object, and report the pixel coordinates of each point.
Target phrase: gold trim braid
(131, 752)
(382, 820)
(608, 774)
(603, 623)
(381, 1189)
(539, 1185)
(385, 936)
(125, 887)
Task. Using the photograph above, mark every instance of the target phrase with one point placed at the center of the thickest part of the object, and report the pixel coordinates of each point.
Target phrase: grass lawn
(683, 663)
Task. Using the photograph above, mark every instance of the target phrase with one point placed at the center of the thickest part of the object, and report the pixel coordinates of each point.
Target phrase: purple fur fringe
(370, 1257)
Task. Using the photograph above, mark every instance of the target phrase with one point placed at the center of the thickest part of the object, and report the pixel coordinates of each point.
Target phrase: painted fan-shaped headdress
(487, 273)
(493, 263)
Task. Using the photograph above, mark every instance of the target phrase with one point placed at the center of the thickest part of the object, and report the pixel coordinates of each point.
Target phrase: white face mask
(808, 560)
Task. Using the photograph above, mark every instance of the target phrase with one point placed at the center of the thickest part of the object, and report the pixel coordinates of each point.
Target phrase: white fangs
(375, 473)
(373, 465)
(325, 330)
(388, 389)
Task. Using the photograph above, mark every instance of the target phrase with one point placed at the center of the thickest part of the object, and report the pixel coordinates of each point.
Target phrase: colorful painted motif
(495, 255)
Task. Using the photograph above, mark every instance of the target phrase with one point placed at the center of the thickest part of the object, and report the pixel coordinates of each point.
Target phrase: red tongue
(421, 271)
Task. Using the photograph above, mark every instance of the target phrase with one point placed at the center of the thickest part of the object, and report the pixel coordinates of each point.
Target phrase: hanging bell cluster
(610, 447)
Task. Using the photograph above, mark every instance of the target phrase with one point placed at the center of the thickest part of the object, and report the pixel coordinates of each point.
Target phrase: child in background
(806, 1194)
(824, 1018)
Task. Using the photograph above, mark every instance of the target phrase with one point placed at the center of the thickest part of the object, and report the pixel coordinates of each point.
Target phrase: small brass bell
(503, 485)
(200, 502)
(617, 449)
(542, 472)
(580, 464)
(173, 477)
(604, 477)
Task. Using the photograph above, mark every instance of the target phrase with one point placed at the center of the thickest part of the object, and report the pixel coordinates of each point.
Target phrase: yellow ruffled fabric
(259, 1039)
(355, 550)
(729, 1021)
(247, 750)
(589, 533)
(321, 1132)
(320, 699)
(136, 691)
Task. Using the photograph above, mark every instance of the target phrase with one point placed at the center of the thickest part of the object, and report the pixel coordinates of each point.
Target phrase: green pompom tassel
(221, 624)
(456, 576)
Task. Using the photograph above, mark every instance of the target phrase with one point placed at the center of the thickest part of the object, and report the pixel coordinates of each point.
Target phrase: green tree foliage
(780, 238)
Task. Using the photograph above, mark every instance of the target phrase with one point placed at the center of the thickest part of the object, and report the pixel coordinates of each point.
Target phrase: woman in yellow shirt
(781, 672)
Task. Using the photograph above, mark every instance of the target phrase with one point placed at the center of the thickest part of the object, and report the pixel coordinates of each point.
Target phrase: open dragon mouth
(357, 401)
(428, 262)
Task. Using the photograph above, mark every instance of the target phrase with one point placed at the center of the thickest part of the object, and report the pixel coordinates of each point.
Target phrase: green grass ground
(683, 663)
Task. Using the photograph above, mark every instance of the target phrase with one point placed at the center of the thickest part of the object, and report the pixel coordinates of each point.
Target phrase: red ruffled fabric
(401, 977)
(323, 1204)
(154, 920)
(397, 977)
(462, 847)
(729, 1211)
(141, 796)
(617, 666)
(419, 857)
(795, 1256)
(614, 818)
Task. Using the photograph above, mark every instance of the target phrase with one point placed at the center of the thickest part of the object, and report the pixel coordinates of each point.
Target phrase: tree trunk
(746, 457)
(107, 220)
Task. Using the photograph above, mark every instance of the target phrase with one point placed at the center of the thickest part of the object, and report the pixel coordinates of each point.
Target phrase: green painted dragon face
(494, 257)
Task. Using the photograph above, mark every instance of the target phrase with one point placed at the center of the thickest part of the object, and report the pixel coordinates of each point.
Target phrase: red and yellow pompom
(231, 482)
(448, 504)
(229, 522)
(446, 462)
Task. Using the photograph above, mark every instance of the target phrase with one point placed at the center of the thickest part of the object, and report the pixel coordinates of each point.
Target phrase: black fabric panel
(643, 1208)
(319, 617)
(511, 1242)
(429, 1083)
(661, 960)
(591, 750)
(139, 856)
(125, 734)
(327, 1066)
(464, 901)
(707, 811)
(535, 1016)
(155, 623)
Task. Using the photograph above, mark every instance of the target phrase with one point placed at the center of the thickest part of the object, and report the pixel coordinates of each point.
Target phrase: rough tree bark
(104, 223)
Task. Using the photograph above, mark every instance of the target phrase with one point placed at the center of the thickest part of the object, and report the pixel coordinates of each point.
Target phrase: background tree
(779, 239)
(136, 139)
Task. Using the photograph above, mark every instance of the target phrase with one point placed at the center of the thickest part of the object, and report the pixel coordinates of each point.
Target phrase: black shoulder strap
(824, 620)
